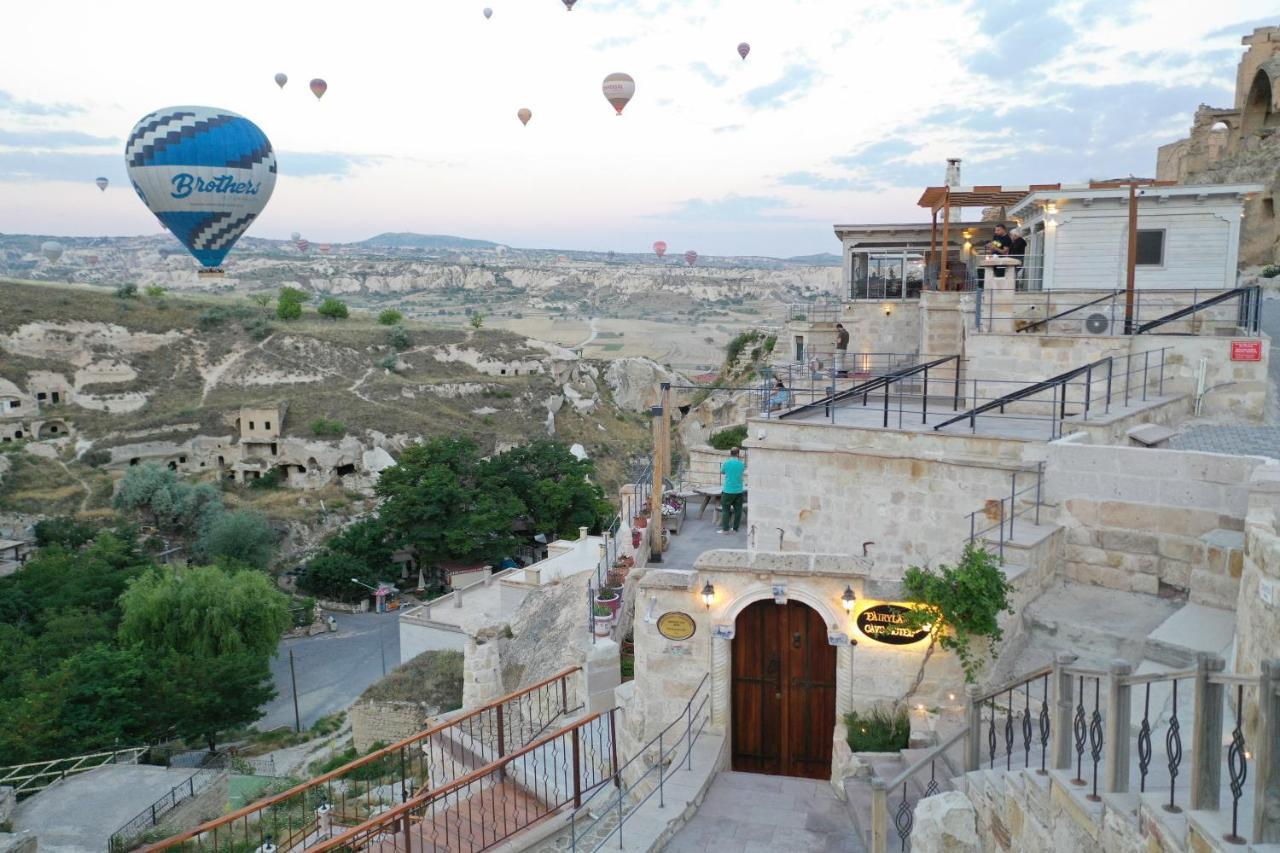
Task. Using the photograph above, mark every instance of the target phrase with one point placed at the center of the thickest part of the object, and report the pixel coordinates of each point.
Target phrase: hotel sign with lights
(887, 623)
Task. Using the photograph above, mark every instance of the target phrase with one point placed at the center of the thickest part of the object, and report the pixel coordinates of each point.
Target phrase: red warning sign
(1246, 350)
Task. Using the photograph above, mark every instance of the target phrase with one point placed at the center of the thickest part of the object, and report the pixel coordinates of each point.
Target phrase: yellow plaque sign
(676, 626)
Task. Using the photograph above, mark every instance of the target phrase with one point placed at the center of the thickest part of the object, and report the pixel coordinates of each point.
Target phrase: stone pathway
(1239, 440)
(752, 813)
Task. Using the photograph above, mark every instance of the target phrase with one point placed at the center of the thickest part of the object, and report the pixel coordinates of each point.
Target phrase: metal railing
(1078, 723)
(429, 759)
(127, 836)
(832, 376)
(813, 312)
(1007, 517)
(493, 803)
(1067, 311)
(28, 779)
(656, 762)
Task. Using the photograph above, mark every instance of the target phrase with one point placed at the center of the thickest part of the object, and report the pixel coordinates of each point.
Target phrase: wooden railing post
(973, 723)
(1116, 780)
(1266, 754)
(1206, 737)
(1064, 701)
(879, 816)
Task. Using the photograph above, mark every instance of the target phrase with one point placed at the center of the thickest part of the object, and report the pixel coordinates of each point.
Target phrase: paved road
(333, 669)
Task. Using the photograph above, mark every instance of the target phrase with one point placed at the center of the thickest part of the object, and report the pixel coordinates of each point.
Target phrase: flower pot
(617, 576)
(601, 625)
(640, 522)
(612, 603)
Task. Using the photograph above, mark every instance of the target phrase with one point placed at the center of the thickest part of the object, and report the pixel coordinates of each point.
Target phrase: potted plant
(603, 620)
(609, 599)
(617, 576)
(641, 521)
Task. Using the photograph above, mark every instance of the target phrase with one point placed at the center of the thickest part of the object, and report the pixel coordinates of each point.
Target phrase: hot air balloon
(488, 13)
(568, 4)
(691, 257)
(524, 115)
(295, 236)
(318, 88)
(303, 245)
(52, 250)
(618, 89)
(281, 79)
(660, 248)
(324, 248)
(744, 49)
(206, 173)
(102, 183)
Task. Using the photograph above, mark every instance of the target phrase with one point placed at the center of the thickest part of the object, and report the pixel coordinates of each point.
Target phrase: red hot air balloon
(303, 245)
(744, 49)
(324, 248)
(618, 89)
(660, 248)
(318, 88)
(524, 115)
(691, 257)
(568, 5)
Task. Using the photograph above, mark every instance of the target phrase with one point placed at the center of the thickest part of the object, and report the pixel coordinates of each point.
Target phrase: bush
(258, 328)
(1270, 271)
(212, 317)
(477, 320)
(878, 730)
(270, 480)
(127, 291)
(390, 362)
(333, 309)
(398, 337)
(327, 426)
(96, 458)
(390, 317)
(65, 531)
(287, 310)
(727, 439)
(155, 291)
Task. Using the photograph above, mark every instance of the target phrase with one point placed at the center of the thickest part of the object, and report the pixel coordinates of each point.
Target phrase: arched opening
(783, 689)
(52, 429)
(312, 465)
(1257, 115)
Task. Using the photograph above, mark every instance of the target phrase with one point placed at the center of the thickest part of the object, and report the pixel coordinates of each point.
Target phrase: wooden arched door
(784, 691)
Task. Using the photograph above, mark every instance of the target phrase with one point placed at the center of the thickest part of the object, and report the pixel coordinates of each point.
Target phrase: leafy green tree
(333, 309)
(293, 294)
(207, 695)
(398, 337)
(205, 611)
(155, 291)
(553, 484)
(55, 578)
(362, 551)
(63, 530)
(440, 500)
(168, 501)
(477, 320)
(390, 317)
(243, 537)
(262, 300)
(286, 310)
(127, 291)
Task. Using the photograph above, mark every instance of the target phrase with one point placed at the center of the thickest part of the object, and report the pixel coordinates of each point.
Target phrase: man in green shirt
(731, 472)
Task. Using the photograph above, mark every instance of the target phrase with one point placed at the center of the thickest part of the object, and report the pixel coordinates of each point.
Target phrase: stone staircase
(936, 777)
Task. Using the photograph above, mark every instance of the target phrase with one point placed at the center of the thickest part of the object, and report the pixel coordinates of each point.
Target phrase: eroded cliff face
(1260, 230)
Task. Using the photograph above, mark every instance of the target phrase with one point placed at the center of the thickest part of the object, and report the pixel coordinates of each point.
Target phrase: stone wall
(904, 495)
(1138, 518)
(385, 722)
(1258, 607)
(704, 467)
(205, 805)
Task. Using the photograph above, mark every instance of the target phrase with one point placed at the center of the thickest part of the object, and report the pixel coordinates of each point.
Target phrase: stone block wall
(1257, 618)
(385, 722)
(704, 467)
(1135, 517)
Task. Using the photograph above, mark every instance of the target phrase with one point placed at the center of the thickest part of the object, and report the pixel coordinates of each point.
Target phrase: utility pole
(1131, 265)
(293, 678)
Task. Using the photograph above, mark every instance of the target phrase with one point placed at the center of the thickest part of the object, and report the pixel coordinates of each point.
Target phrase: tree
(262, 300)
(398, 338)
(477, 320)
(127, 291)
(333, 309)
(554, 486)
(362, 551)
(64, 530)
(390, 317)
(243, 537)
(293, 294)
(171, 503)
(286, 310)
(441, 501)
(204, 612)
(209, 695)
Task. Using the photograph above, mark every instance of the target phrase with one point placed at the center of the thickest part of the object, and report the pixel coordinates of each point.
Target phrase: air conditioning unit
(1098, 324)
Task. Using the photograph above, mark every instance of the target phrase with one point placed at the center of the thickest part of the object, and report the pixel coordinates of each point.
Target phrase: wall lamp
(847, 600)
(708, 594)
(888, 309)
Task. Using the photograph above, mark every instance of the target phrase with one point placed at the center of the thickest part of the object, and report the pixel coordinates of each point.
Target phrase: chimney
(953, 172)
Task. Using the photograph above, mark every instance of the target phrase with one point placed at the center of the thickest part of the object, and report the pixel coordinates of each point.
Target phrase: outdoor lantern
(888, 309)
(708, 594)
(847, 600)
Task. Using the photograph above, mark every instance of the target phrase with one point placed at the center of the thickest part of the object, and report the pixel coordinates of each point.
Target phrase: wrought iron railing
(493, 803)
(27, 779)
(1077, 723)
(1106, 312)
(127, 836)
(427, 760)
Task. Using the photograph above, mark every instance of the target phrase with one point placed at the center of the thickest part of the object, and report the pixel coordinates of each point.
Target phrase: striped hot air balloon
(660, 248)
(318, 88)
(281, 79)
(206, 173)
(691, 257)
(618, 90)
(303, 245)
(744, 49)
(524, 114)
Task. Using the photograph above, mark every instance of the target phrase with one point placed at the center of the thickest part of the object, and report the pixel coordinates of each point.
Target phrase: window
(41, 395)
(266, 424)
(799, 348)
(250, 424)
(13, 404)
(1151, 247)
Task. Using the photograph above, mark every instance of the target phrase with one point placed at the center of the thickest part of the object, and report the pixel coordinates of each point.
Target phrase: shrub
(390, 362)
(212, 317)
(65, 531)
(727, 439)
(258, 328)
(270, 480)
(390, 317)
(333, 309)
(155, 291)
(1270, 271)
(327, 426)
(878, 730)
(288, 310)
(477, 320)
(96, 458)
(398, 337)
(127, 291)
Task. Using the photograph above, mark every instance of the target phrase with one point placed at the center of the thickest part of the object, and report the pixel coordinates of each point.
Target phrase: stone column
(1206, 734)
(1117, 734)
(720, 677)
(844, 680)
(999, 282)
(1063, 706)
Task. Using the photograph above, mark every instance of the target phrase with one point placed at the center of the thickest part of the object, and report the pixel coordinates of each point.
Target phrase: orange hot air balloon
(318, 88)
(619, 89)
(524, 115)
(744, 49)
(691, 257)
(660, 248)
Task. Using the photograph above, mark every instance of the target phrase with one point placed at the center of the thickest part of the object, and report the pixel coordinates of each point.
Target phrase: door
(784, 691)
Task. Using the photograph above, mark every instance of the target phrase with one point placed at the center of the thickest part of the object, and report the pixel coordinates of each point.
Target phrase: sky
(842, 112)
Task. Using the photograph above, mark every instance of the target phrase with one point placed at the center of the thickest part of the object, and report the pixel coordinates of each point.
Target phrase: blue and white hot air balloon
(205, 173)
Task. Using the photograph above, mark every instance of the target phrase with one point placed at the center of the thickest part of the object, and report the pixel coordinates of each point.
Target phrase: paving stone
(1237, 440)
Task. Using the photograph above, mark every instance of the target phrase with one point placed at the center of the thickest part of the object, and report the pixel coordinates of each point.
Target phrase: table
(710, 493)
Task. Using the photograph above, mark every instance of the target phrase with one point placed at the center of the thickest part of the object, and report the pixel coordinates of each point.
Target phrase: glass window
(1151, 247)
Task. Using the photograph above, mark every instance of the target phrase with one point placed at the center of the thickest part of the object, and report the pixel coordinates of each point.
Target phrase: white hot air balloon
(281, 79)
(52, 250)
(618, 89)
(488, 13)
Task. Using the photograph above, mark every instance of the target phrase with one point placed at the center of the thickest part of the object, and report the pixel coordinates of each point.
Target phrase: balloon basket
(211, 273)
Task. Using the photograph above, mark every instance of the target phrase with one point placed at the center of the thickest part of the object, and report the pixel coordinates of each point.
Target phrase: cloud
(877, 152)
(733, 207)
(815, 181)
(727, 128)
(794, 82)
(1020, 40)
(614, 42)
(53, 139)
(1242, 28)
(704, 71)
(11, 104)
(60, 166)
(314, 164)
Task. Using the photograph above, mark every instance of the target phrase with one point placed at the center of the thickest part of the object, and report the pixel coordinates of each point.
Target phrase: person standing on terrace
(731, 471)
(842, 348)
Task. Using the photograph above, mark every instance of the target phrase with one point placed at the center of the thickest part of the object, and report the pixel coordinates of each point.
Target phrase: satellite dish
(1097, 324)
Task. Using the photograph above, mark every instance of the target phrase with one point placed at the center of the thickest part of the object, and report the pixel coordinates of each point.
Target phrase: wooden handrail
(448, 788)
(930, 756)
(332, 774)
